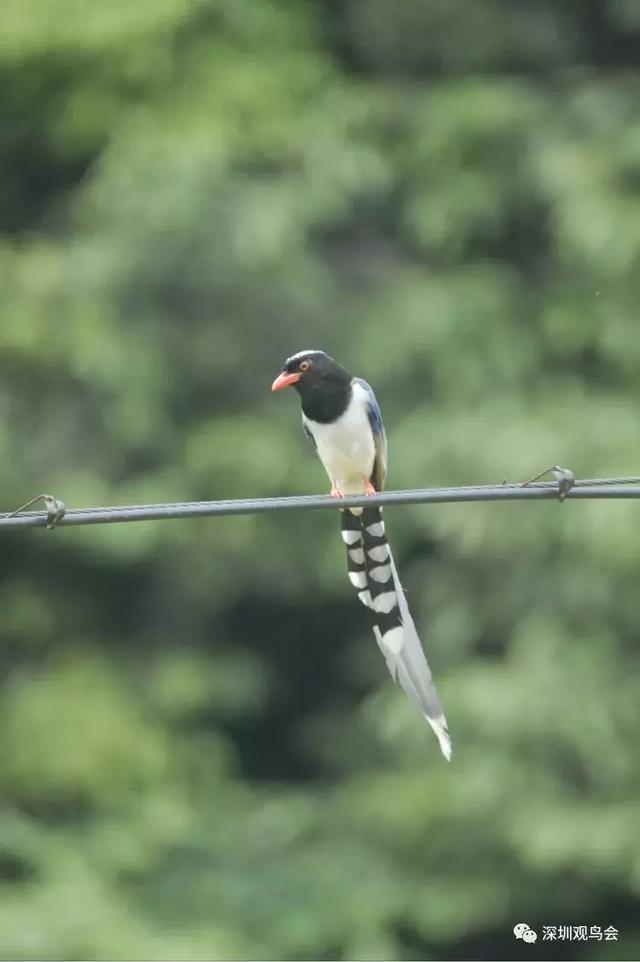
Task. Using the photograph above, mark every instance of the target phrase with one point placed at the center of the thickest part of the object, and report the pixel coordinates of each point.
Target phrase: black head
(322, 384)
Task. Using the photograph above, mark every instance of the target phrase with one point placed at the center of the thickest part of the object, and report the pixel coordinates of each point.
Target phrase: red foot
(369, 488)
(335, 491)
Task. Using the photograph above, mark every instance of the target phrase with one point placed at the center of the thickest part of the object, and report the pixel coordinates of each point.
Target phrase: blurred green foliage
(201, 755)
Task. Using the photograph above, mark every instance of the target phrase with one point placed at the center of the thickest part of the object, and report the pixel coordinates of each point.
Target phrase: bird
(341, 416)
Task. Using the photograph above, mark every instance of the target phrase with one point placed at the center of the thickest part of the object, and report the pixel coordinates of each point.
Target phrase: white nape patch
(381, 553)
(380, 574)
(358, 579)
(356, 555)
(350, 537)
(294, 357)
(393, 640)
(365, 598)
(376, 530)
(385, 602)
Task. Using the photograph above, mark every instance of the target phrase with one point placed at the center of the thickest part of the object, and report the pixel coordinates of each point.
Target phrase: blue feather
(375, 415)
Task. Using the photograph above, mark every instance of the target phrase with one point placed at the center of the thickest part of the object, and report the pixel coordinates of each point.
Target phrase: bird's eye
(304, 365)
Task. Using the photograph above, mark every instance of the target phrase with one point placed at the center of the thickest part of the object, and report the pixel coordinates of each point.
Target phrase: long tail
(351, 531)
(373, 573)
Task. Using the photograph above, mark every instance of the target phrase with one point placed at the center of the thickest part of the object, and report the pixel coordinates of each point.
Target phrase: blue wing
(379, 436)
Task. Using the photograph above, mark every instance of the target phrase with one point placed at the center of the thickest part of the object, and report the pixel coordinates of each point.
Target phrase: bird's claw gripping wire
(56, 509)
(565, 478)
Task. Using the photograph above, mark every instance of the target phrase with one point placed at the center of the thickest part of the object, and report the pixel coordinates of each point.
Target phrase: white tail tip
(439, 726)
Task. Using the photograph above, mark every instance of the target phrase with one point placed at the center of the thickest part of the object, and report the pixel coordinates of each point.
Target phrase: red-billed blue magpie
(341, 416)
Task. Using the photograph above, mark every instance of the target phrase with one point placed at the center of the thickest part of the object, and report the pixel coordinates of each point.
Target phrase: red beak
(284, 380)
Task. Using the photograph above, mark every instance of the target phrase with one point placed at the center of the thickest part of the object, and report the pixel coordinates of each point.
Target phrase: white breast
(346, 446)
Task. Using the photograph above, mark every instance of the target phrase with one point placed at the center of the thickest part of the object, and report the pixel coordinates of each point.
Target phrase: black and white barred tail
(373, 574)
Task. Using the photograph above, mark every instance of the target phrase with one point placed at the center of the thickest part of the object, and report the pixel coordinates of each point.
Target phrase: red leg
(335, 490)
(369, 488)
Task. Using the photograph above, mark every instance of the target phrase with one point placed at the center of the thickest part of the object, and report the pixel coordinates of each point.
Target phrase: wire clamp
(56, 509)
(565, 478)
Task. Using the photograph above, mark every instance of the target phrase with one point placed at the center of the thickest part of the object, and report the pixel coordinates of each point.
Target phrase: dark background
(201, 753)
